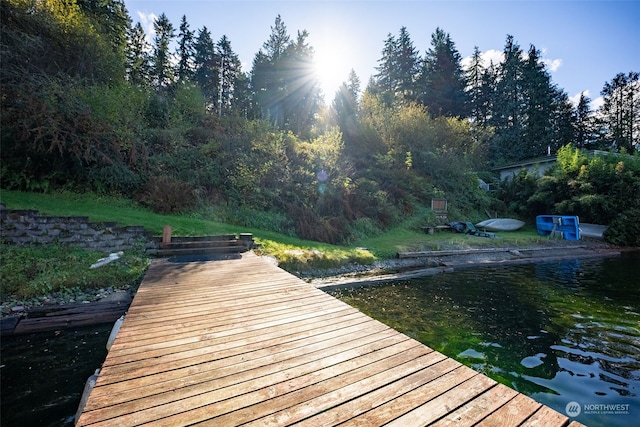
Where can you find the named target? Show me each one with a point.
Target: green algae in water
(557, 331)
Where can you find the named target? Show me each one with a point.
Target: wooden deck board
(241, 341)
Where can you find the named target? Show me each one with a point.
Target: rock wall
(23, 227)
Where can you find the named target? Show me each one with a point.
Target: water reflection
(561, 332)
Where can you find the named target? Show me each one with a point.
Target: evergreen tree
(345, 107)
(244, 105)
(474, 76)
(303, 96)
(162, 68)
(585, 132)
(507, 116)
(267, 76)
(563, 120)
(487, 94)
(443, 83)
(621, 111)
(205, 66)
(229, 75)
(278, 42)
(398, 70)
(185, 51)
(383, 83)
(538, 109)
(285, 87)
(111, 19)
(138, 58)
(407, 67)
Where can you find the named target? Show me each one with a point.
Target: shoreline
(430, 263)
(405, 267)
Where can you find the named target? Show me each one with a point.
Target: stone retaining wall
(22, 227)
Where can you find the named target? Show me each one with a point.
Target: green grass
(33, 271)
(106, 208)
(293, 254)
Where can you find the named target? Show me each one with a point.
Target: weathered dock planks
(240, 341)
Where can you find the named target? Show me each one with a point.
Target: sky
(584, 43)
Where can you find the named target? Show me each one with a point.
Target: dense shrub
(625, 229)
(165, 194)
(596, 188)
(516, 195)
(310, 226)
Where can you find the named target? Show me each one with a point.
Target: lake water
(566, 333)
(43, 374)
(561, 332)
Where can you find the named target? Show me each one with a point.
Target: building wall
(539, 168)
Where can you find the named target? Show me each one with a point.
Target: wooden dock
(240, 341)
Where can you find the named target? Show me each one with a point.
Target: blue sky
(584, 43)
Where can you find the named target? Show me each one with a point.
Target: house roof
(528, 162)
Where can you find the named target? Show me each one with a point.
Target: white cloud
(575, 99)
(552, 64)
(147, 20)
(597, 103)
(487, 57)
(492, 55)
(594, 105)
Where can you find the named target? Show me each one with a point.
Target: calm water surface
(43, 375)
(560, 332)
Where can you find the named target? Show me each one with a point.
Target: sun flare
(332, 69)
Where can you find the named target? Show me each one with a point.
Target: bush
(165, 194)
(625, 229)
(116, 178)
(363, 228)
(249, 217)
(309, 226)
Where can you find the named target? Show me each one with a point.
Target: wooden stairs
(202, 245)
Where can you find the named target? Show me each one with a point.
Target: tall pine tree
(585, 123)
(163, 72)
(398, 70)
(229, 76)
(138, 65)
(345, 107)
(383, 83)
(205, 66)
(285, 87)
(538, 108)
(267, 77)
(185, 51)
(443, 82)
(507, 116)
(621, 111)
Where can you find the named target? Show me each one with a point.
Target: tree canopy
(89, 103)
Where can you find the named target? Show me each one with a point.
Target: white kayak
(500, 224)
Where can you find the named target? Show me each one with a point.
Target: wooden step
(171, 252)
(200, 244)
(203, 245)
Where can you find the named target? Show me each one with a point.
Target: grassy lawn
(43, 269)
